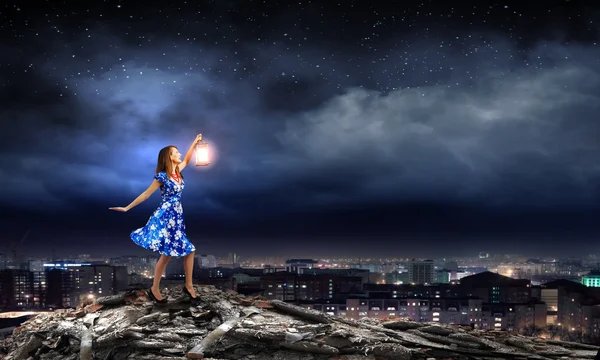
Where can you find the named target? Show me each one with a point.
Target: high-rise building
(39, 288)
(16, 288)
(40, 283)
(60, 285)
(421, 272)
(66, 285)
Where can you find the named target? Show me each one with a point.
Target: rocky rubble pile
(226, 325)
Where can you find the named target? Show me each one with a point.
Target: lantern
(202, 154)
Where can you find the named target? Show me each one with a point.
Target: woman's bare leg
(159, 270)
(188, 265)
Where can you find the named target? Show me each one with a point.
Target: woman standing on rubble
(165, 230)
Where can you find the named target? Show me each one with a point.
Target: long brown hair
(164, 161)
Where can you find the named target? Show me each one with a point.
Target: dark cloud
(522, 128)
(406, 128)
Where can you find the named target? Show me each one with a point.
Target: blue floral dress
(165, 230)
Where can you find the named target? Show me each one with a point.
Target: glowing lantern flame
(202, 158)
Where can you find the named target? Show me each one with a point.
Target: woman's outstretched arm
(189, 154)
(140, 199)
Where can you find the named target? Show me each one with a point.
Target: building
(496, 288)
(394, 291)
(523, 270)
(39, 288)
(67, 284)
(232, 260)
(486, 300)
(207, 261)
(461, 311)
(364, 274)
(299, 265)
(577, 306)
(451, 311)
(442, 276)
(421, 272)
(16, 289)
(288, 286)
(549, 296)
(591, 279)
(396, 277)
(141, 265)
(61, 284)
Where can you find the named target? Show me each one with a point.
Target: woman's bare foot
(191, 291)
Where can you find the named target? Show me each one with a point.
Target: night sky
(337, 128)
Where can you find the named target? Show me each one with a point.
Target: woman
(165, 230)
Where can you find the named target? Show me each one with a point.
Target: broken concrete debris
(226, 325)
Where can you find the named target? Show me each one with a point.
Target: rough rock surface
(226, 325)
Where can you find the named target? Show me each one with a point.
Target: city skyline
(482, 258)
(547, 300)
(416, 128)
(96, 247)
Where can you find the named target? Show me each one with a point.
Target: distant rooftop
(304, 261)
(593, 272)
(572, 285)
(491, 278)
